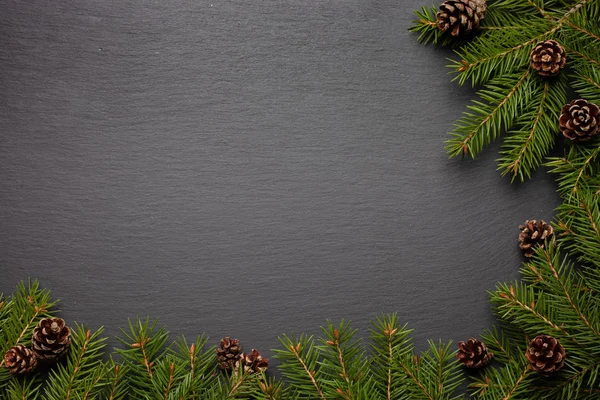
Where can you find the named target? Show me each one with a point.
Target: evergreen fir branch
(21, 314)
(511, 15)
(116, 384)
(504, 343)
(426, 27)
(578, 170)
(519, 304)
(586, 82)
(512, 381)
(578, 222)
(199, 363)
(299, 365)
(390, 341)
(562, 283)
(484, 121)
(271, 389)
(25, 388)
(435, 375)
(241, 384)
(507, 51)
(576, 384)
(524, 148)
(169, 381)
(499, 53)
(343, 363)
(144, 345)
(81, 376)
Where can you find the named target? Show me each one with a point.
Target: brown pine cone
(546, 355)
(460, 17)
(473, 353)
(51, 339)
(548, 58)
(534, 233)
(579, 120)
(254, 362)
(229, 353)
(20, 360)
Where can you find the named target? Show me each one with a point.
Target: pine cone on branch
(548, 58)
(546, 355)
(254, 362)
(460, 17)
(229, 353)
(51, 339)
(473, 353)
(579, 120)
(20, 360)
(533, 234)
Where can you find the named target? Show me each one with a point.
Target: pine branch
(299, 365)
(26, 388)
(513, 381)
(116, 386)
(578, 171)
(524, 148)
(484, 121)
(578, 222)
(144, 346)
(520, 305)
(426, 27)
(558, 278)
(21, 313)
(434, 375)
(199, 362)
(343, 363)
(500, 53)
(390, 341)
(81, 377)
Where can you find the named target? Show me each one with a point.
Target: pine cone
(20, 360)
(229, 353)
(254, 362)
(534, 233)
(579, 120)
(51, 339)
(546, 355)
(473, 353)
(460, 17)
(548, 58)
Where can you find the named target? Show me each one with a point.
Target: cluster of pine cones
(545, 354)
(49, 343)
(580, 119)
(230, 357)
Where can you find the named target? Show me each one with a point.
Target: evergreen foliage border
(559, 294)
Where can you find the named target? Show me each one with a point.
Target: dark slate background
(246, 168)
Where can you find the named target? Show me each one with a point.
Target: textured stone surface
(246, 168)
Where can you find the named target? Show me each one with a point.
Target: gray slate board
(246, 168)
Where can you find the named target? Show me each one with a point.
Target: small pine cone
(534, 233)
(20, 360)
(51, 339)
(546, 355)
(548, 58)
(473, 353)
(460, 17)
(579, 120)
(254, 362)
(229, 353)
